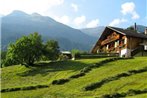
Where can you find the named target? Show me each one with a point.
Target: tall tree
(51, 50)
(26, 50)
(75, 53)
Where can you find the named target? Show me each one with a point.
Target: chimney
(145, 32)
(135, 27)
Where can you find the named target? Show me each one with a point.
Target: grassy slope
(14, 76)
(138, 96)
(19, 75)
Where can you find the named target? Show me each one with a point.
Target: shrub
(130, 92)
(34, 87)
(75, 53)
(51, 50)
(63, 57)
(60, 81)
(85, 69)
(26, 50)
(106, 96)
(77, 75)
(8, 62)
(42, 86)
(89, 87)
(29, 88)
(92, 86)
(132, 71)
(115, 95)
(97, 65)
(23, 88)
(10, 89)
(123, 75)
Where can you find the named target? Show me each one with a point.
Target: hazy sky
(83, 13)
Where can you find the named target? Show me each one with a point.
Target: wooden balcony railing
(112, 38)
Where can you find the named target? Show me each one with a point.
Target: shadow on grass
(44, 68)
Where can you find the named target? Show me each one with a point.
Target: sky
(83, 13)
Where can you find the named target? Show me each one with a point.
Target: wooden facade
(117, 40)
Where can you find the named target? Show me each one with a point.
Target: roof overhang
(116, 30)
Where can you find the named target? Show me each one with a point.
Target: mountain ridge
(18, 23)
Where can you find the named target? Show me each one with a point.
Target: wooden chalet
(125, 42)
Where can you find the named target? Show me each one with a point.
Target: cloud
(129, 8)
(135, 15)
(93, 23)
(79, 20)
(117, 21)
(75, 7)
(64, 19)
(28, 6)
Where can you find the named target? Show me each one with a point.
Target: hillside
(95, 32)
(19, 23)
(118, 76)
(140, 28)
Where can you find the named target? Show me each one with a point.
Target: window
(107, 47)
(125, 41)
(116, 44)
(145, 47)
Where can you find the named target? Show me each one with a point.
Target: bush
(106, 96)
(60, 81)
(96, 84)
(91, 86)
(63, 57)
(8, 62)
(42, 86)
(10, 89)
(85, 69)
(115, 95)
(29, 88)
(26, 50)
(77, 75)
(51, 50)
(131, 92)
(123, 75)
(23, 88)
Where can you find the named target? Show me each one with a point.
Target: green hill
(125, 77)
(18, 24)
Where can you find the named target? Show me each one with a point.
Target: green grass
(138, 96)
(17, 76)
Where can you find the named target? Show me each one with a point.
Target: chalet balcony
(110, 39)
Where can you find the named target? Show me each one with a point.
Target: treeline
(29, 49)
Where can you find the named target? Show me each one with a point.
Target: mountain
(140, 28)
(18, 23)
(95, 32)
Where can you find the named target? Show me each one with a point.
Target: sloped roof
(127, 32)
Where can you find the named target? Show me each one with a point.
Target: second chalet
(125, 42)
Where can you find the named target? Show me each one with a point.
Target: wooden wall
(133, 42)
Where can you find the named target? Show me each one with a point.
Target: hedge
(60, 81)
(130, 92)
(77, 75)
(86, 70)
(118, 76)
(24, 88)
